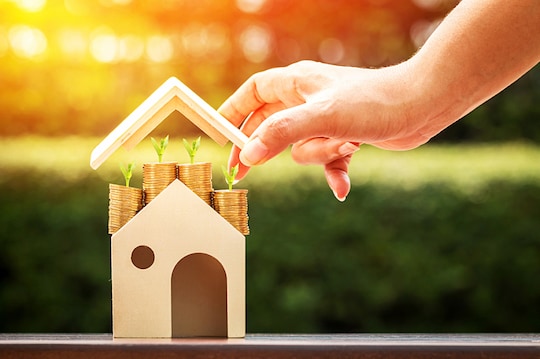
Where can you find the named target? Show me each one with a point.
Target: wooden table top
(373, 346)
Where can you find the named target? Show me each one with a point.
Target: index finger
(257, 91)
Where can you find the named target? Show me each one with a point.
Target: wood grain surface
(373, 346)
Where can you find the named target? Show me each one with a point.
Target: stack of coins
(156, 177)
(124, 203)
(198, 178)
(233, 206)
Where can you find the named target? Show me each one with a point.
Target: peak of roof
(173, 95)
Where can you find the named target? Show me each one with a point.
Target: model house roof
(172, 96)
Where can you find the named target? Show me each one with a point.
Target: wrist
(434, 97)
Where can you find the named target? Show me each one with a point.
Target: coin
(198, 178)
(156, 177)
(124, 203)
(233, 206)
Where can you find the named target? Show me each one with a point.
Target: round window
(142, 257)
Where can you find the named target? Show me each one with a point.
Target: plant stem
(127, 172)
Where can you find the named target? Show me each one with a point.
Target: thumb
(280, 130)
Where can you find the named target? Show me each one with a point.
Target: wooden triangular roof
(172, 96)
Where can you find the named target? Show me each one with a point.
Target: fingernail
(341, 199)
(254, 152)
(347, 149)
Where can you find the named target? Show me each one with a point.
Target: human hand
(325, 112)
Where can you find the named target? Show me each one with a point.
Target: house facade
(178, 270)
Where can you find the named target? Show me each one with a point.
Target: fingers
(258, 116)
(242, 102)
(250, 125)
(322, 150)
(335, 155)
(337, 176)
(260, 89)
(336, 172)
(234, 160)
(283, 128)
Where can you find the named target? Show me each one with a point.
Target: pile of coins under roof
(198, 178)
(125, 202)
(156, 177)
(232, 205)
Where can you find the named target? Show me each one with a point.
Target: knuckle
(278, 128)
(298, 156)
(302, 64)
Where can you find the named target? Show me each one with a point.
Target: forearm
(477, 51)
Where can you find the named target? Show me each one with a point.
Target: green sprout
(128, 172)
(192, 148)
(160, 146)
(230, 175)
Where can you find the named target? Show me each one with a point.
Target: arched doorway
(199, 297)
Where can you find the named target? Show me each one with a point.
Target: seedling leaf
(127, 172)
(230, 175)
(192, 148)
(160, 146)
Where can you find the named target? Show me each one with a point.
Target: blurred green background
(444, 238)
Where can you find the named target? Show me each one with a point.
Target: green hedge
(428, 258)
(390, 260)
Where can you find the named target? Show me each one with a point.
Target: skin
(327, 111)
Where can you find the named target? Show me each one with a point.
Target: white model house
(178, 267)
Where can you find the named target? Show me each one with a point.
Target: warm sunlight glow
(430, 4)
(76, 7)
(31, 5)
(26, 41)
(4, 46)
(102, 56)
(194, 40)
(289, 50)
(255, 41)
(250, 6)
(199, 40)
(115, 2)
(131, 48)
(159, 49)
(331, 50)
(104, 45)
(73, 43)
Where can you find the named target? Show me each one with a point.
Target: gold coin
(156, 177)
(198, 178)
(232, 205)
(124, 203)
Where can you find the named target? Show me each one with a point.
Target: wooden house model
(178, 267)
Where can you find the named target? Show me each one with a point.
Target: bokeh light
(92, 62)
(31, 5)
(131, 48)
(250, 6)
(4, 45)
(114, 2)
(27, 42)
(331, 50)
(73, 43)
(104, 45)
(159, 48)
(255, 41)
